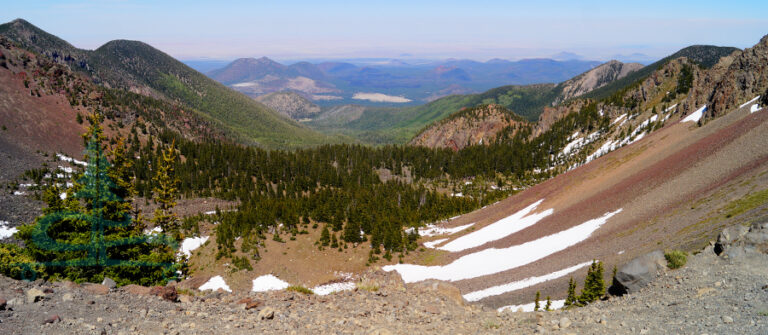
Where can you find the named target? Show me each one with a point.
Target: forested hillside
(137, 67)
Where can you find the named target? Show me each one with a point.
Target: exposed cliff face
(290, 104)
(596, 78)
(478, 125)
(734, 80)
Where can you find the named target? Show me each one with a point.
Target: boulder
(34, 295)
(729, 236)
(136, 289)
(193, 283)
(109, 283)
(166, 292)
(637, 273)
(267, 313)
(96, 288)
(382, 280)
(441, 288)
(52, 319)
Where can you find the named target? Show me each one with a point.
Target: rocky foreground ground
(711, 294)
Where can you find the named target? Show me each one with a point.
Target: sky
(477, 29)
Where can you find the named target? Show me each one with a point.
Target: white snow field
(695, 116)
(754, 108)
(521, 284)
(432, 230)
(214, 284)
(268, 283)
(556, 304)
(499, 229)
(432, 244)
(749, 102)
(6, 232)
(333, 287)
(191, 243)
(492, 260)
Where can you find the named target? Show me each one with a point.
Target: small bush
(14, 262)
(300, 289)
(676, 259)
(368, 287)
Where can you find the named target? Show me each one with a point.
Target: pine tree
(325, 237)
(570, 300)
(536, 302)
(90, 234)
(594, 286)
(166, 192)
(548, 306)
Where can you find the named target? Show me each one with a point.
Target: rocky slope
(596, 78)
(711, 294)
(290, 104)
(478, 125)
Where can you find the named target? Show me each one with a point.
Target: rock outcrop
(596, 78)
(290, 104)
(472, 126)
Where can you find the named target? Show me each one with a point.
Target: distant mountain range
(390, 82)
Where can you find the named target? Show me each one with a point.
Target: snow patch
(749, 102)
(432, 230)
(621, 117)
(492, 260)
(333, 287)
(19, 193)
(695, 116)
(754, 108)
(268, 283)
(499, 229)
(521, 284)
(70, 160)
(5, 231)
(191, 243)
(432, 244)
(214, 284)
(556, 304)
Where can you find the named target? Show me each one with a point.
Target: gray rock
(728, 236)
(267, 313)
(638, 272)
(109, 283)
(67, 297)
(727, 319)
(564, 323)
(734, 252)
(34, 295)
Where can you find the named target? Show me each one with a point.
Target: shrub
(368, 287)
(676, 259)
(299, 289)
(14, 262)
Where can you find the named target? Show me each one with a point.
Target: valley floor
(710, 295)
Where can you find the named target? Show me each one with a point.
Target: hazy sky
(479, 29)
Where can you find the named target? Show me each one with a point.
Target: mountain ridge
(141, 68)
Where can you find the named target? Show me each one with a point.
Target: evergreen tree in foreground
(570, 300)
(594, 286)
(87, 233)
(166, 192)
